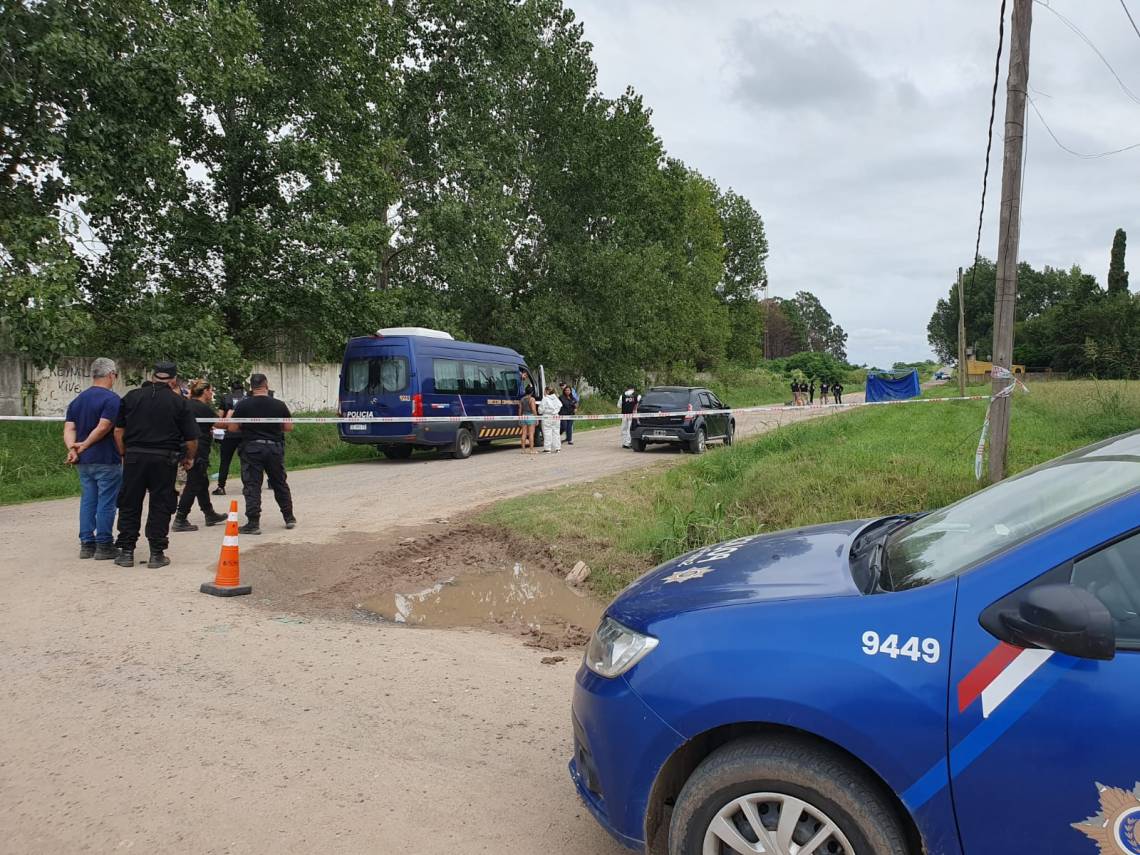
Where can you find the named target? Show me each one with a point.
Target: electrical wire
(1077, 30)
(989, 143)
(1129, 14)
(1065, 148)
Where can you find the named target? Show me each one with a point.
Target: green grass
(863, 463)
(32, 458)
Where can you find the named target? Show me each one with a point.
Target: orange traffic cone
(227, 582)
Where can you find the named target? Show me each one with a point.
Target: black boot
(87, 550)
(290, 521)
(126, 558)
(157, 559)
(213, 517)
(252, 526)
(182, 524)
(220, 490)
(105, 551)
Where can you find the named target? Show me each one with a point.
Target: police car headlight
(614, 648)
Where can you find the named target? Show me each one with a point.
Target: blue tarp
(884, 387)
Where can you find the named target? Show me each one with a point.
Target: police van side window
(446, 373)
(478, 378)
(508, 382)
(1113, 577)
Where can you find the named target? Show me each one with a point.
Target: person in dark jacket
(229, 442)
(824, 386)
(811, 392)
(153, 427)
(569, 408)
(198, 475)
(837, 391)
(263, 452)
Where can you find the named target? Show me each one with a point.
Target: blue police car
(964, 681)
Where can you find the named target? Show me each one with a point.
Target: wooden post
(1009, 230)
(961, 337)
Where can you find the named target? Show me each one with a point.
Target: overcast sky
(857, 130)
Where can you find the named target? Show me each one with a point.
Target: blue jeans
(100, 484)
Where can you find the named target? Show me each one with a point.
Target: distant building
(980, 372)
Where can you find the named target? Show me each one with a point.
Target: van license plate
(358, 427)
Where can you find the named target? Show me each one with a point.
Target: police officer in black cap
(155, 424)
(263, 452)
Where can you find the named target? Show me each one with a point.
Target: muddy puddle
(516, 597)
(445, 577)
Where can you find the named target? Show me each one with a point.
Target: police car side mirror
(1057, 617)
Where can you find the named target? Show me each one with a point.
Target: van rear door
(377, 381)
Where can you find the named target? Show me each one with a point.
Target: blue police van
(959, 682)
(413, 372)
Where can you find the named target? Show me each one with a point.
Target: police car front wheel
(785, 796)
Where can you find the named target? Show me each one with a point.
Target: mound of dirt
(442, 575)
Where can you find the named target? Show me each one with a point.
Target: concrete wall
(11, 379)
(304, 387)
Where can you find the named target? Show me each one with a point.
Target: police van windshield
(377, 375)
(954, 539)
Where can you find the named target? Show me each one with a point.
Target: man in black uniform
(231, 441)
(154, 422)
(263, 452)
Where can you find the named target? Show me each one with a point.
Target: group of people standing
(552, 409)
(803, 394)
(130, 448)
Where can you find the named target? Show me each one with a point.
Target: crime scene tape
(1001, 374)
(647, 416)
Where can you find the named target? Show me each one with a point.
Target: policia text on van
(413, 372)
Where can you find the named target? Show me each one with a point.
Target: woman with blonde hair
(198, 476)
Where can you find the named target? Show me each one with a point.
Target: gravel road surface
(140, 715)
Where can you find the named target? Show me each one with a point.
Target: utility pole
(1009, 230)
(961, 338)
(767, 313)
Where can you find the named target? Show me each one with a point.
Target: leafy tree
(1117, 274)
(745, 255)
(823, 334)
(1064, 321)
(816, 365)
(221, 180)
(787, 333)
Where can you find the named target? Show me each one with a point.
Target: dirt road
(141, 715)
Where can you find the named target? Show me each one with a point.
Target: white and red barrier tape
(356, 420)
(999, 373)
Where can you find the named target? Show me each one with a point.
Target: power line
(1065, 148)
(1129, 14)
(989, 144)
(1095, 49)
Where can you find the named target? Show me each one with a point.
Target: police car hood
(796, 564)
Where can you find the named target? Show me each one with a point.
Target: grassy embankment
(864, 463)
(32, 455)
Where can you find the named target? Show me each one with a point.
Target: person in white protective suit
(550, 408)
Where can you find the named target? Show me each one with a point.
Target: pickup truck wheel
(731, 431)
(464, 444)
(782, 795)
(638, 444)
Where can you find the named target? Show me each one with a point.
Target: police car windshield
(954, 539)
